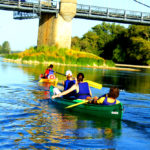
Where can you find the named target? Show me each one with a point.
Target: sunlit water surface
(29, 121)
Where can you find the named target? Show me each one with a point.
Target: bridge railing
(31, 3)
(29, 9)
(83, 11)
(111, 13)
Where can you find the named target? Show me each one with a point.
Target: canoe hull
(102, 111)
(52, 81)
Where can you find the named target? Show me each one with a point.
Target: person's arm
(90, 92)
(65, 92)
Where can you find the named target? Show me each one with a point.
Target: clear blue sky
(22, 34)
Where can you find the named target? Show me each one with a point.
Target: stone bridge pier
(56, 30)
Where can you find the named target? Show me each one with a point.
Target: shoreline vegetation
(46, 55)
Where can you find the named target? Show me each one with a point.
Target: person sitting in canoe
(69, 80)
(49, 73)
(82, 89)
(107, 99)
(68, 83)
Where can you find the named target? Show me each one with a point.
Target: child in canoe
(68, 83)
(107, 99)
(69, 80)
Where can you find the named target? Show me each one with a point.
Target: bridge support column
(56, 31)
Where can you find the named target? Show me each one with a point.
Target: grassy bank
(64, 56)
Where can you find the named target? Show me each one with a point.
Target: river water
(29, 121)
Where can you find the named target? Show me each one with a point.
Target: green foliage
(12, 56)
(110, 63)
(114, 42)
(62, 51)
(84, 61)
(5, 48)
(118, 54)
(100, 62)
(0, 49)
(70, 59)
(54, 55)
(26, 58)
(148, 62)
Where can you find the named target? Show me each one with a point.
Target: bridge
(50, 11)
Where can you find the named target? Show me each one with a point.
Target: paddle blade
(74, 105)
(94, 84)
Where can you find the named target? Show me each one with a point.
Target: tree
(139, 51)
(107, 38)
(118, 54)
(5, 48)
(89, 42)
(0, 49)
(138, 48)
(75, 43)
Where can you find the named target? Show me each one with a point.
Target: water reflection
(52, 128)
(127, 80)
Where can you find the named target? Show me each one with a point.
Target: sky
(22, 34)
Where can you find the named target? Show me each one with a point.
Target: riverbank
(131, 66)
(46, 63)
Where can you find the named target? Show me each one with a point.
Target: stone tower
(57, 30)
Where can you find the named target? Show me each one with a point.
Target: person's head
(51, 66)
(80, 77)
(113, 92)
(68, 74)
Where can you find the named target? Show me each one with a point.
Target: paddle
(94, 84)
(74, 105)
(91, 83)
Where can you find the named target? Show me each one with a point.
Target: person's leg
(56, 91)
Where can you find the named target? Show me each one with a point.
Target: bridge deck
(83, 11)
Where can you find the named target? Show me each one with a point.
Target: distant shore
(132, 66)
(18, 61)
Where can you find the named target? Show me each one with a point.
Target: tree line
(5, 48)
(115, 42)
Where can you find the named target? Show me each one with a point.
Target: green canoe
(102, 111)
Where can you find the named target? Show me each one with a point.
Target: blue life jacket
(68, 84)
(84, 91)
(105, 102)
(51, 71)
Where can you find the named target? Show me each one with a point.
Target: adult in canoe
(49, 73)
(107, 99)
(82, 89)
(68, 83)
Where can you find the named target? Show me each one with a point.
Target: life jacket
(105, 102)
(51, 71)
(51, 74)
(68, 84)
(84, 91)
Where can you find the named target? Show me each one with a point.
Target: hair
(113, 92)
(80, 77)
(50, 66)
